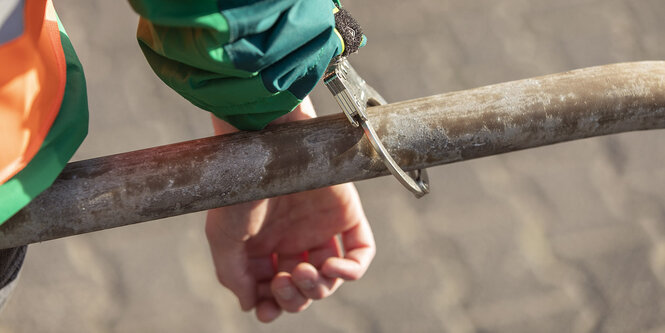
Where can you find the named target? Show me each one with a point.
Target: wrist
(305, 110)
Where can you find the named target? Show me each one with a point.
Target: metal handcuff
(354, 95)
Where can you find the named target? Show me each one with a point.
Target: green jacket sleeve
(248, 62)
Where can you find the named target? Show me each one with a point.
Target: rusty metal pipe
(196, 175)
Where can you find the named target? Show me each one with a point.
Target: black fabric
(11, 261)
(351, 32)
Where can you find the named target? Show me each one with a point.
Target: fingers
(325, 271)
(267, 310)
(287, 296)
(306, 276)
(273, 283)
(360, 249)
(313, 284)
(299, 282)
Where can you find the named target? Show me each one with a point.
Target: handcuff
(354, 95)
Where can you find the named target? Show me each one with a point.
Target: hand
(248, 62)
(281, 253)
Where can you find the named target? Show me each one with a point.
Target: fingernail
(285, 293)
(306, 284)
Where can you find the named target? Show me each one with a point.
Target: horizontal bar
(197, 175)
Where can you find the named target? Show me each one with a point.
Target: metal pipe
(196, 175)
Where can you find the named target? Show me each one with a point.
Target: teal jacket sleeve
(246, 61)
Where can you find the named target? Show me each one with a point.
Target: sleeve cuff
(11, 261)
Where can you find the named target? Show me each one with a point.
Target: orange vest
(33, 74)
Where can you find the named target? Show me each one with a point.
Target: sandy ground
(569, 237)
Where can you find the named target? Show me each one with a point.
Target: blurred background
(563, 238)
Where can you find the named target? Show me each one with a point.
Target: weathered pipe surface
(191, 176)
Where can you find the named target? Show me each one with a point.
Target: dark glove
(11, 261)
